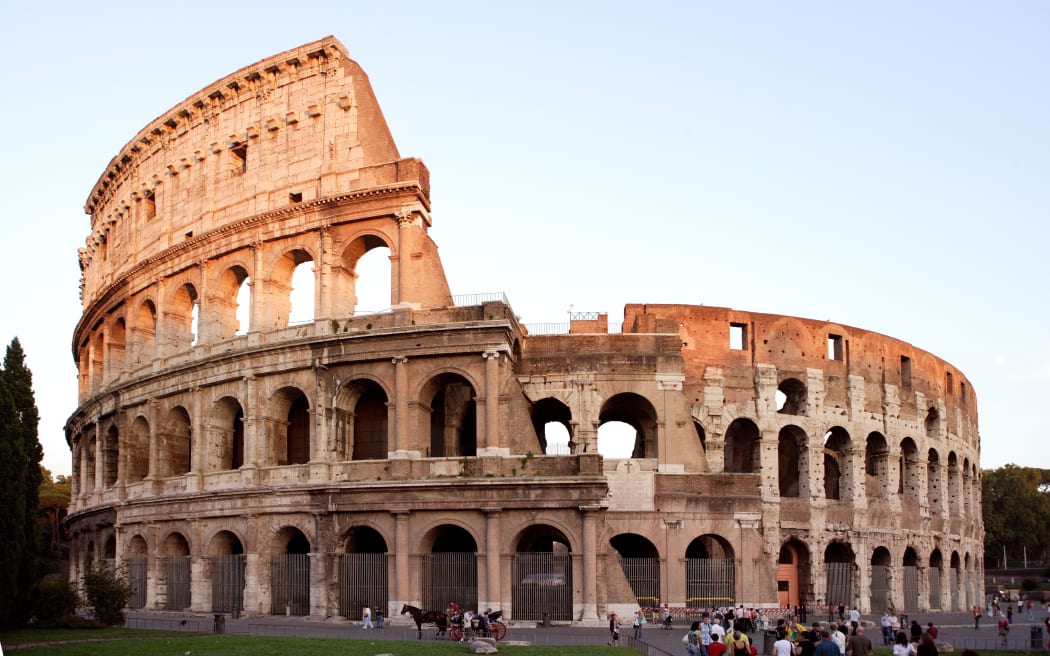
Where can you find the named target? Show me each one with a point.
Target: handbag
(685, 639)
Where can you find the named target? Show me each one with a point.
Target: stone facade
(402, 457)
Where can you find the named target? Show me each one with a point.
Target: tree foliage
(108, 592)
(20, 478)
(52, 506)
(1016, 512)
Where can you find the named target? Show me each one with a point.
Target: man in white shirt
(717, 629)
(839, 638)
(887, 629)
(783, 647)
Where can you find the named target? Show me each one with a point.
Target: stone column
(590, 563)
(492, 559)
(252, 602)
(400, 594)
(489, 437)
(404, 255)
(99, 458)
(401, 435)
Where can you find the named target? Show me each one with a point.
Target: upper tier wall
(292, 128)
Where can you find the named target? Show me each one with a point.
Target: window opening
(295, 197)
(557, 437)
(949, 383)
(239, 158)
(738, 336)
(835, 347)
(905, 372)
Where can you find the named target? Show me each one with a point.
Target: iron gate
(880, 588)
(839, 578)
(935, 588)
(137, 580)
(290, 584)
(911, 588)
(710, 582)
(542, 586)
(644, 576)
(362, 582)
(227, 583)
(178, 582)
(450, 576)
(953, 581)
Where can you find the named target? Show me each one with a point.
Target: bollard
(1037, 637)
(220, 623)
(546, 621)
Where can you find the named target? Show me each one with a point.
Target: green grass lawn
(127, 642)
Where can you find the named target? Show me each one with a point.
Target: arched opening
(177, 572)
(954, 485)
(363, 281)
(955, 581)
(837, 470)
(291, 427)
(542, 583)
(450, 569)
(291, 285)
(181, 319)
(793, 573)
(144, 333)
(225, 435)
(791, 397)
(98, 362)
(710, 573)
(933, 482)
(115, 354)
(109, 551)
(881, 561)
(87, 457)
(839, 564)
(639, 562)
(876, 466)
(793, 462)
(743, 448)
(137, 460)
(370, 423)
(453, 417)
(934, 573)
(363, 572)
(633, 411)
(910, 472)
(933, 422)
(228, 317)
(301, 298)
(110, 457)
(227, 573)
(137, 561)
(910, 576)
(290, 573)
(175, 447)
(552, 421)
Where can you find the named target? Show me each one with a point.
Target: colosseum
(237, 459)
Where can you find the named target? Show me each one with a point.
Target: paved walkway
(955, 628)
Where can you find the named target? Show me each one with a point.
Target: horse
(436, 617)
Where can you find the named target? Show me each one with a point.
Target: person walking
(887, 629)
(858, 643)
(614, 630)
(692, 640)
(366, 618)
(976, 618)
(1004, 629)
(639, 622)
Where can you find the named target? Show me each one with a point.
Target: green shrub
(107, 591)
(53, 601)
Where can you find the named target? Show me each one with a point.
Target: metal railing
(477, 299)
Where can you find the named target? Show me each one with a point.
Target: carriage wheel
(498, 629)
(456, 632)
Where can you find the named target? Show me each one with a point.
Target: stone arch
(370, 438)
(115, 348)
(291, 421)
(639, 564)
(881, 566)
(548, 411)
(933, 423)
(743, 447)
(280, 285)
(87, 455)
(910, 575)
(794, 572)
(955, 582)
(543, 576)
(933, 480)
(225, 446)
(840, 566)
(791, 397)
(289, 572)
(175, 443)
(137, 451)
(225, 542)
(136, 556)
(110, 456)
(910, 469)
(346, 274)
(136, 546)
(223, 304)
(637, 412)
(450, 568)
(144, 333)
(954, 485)
(838, 473)
(934, 573)
(363, 571)
(450, 399)
(710, 572)
(363, 539)
(876, 466)
(177, 576)
(793, 462)
(98, 360)
(179, 315)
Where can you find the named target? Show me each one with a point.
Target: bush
(108, 592)
(53, 601)
(1029, 584)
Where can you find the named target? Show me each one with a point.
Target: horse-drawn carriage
(453, 626)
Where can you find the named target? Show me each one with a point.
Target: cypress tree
(12, 504)
(25, 476)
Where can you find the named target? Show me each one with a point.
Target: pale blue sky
(881, 164)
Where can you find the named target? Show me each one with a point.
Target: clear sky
(885, 165)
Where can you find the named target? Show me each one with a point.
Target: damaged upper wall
(293, 128)
(896, 375)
